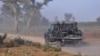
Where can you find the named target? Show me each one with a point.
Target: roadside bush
(11, 44)
(18, 42)
(57, 54)
(15, 43)
(28, 43)
(36, 44)
(2, 38)
(56, 49)
(50, 48)
(46, 47)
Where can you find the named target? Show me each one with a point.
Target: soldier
(75, 26)
(63, 29)
(63, 23)
(63, 26)
(57, 23)
(57, 28)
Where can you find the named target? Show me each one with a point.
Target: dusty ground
(92, 48)
(30, 51)
(90, 45)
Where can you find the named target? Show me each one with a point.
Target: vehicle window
(51, 27)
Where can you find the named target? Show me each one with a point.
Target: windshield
(51, 28)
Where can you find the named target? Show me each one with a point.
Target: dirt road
(31, 38)
(90, 47)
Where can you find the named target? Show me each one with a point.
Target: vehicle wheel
(62, 43)
(46, 40)
(79, 33)
(79, 42)
(58, 44)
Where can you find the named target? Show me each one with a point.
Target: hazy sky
(82, 10)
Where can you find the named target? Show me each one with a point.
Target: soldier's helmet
(63, 22)
(58, 23)
(75, 23)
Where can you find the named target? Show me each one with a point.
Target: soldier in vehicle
(74, 26)
(63, 26)
(63, 23)
(57, 28)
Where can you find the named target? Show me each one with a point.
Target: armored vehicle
(64, 32)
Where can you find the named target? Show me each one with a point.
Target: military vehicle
(60, 33)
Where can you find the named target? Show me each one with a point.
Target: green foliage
(50, 48)
(56, 49)
(28, 43)
(2, 38)
(36, 44)
(98, 19)
(11, 44)
(18, 42)
(15, 43)
(29, 8)
(46, 47)
(57, 54)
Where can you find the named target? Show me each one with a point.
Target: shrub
(15, 43)
(57, 54)
(56, 49)
(36, 44)
(28, 43)
(2, 38)
(19, 41)
(11, 44)
(47, 48)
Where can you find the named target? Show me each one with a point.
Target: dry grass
(20, 47)
(29, 51)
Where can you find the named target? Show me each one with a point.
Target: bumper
(73, 38)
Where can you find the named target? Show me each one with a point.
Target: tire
(46, 40)
(79, 42)
(58, 44)
(79, 32)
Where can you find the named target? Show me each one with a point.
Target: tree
(98, 19)
(1, 20)
(12, 8)
(68, 17)
(45, 21)
(33, 12)
(29, 9)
